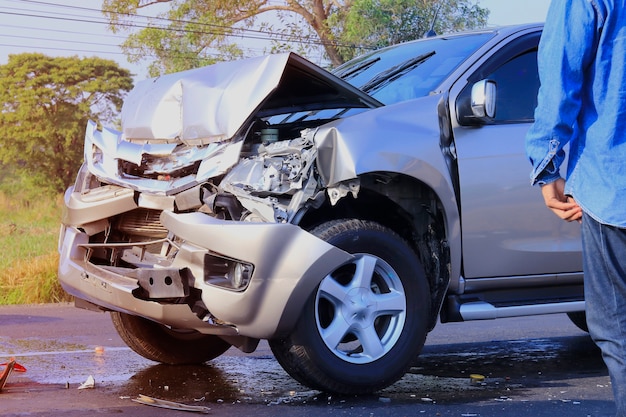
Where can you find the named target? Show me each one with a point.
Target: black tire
(160, 344)
(579, 318)
(383, 295)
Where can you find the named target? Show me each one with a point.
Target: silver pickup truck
(340, 216)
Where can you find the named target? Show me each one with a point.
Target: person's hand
(562, 205)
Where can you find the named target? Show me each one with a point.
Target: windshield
(410, 70)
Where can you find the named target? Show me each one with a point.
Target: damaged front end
(274, 184)
(221, 157)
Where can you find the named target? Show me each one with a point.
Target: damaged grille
(161, 172)
(142, 222)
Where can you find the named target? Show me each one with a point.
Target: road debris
(155, 402)
(9, 367)
(6, 372)
(477, 378)
(503, 398)
(88, 384)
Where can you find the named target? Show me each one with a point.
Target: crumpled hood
(182, 129)
(212, 103)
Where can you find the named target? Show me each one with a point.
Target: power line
(40, 47)
(284, 38)
(86, 51)
(51, 48)
(74, 41)
(213, 29)
(81, 16)
(71, 32)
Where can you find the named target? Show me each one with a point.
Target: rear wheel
(367, 320)
(161, 344)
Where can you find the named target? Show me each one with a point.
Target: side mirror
(483, 101)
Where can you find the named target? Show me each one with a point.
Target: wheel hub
(357, 307)
(360, 311)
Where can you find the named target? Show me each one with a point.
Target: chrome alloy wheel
(360, 309)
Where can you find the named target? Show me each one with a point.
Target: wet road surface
(537, 366)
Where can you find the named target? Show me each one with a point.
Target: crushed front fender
(288, 264)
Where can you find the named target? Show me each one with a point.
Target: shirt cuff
(545, 177)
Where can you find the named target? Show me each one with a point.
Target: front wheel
(367, 320)
(161, 344)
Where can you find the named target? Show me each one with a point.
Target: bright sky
(510, 12)
(71, 27)
(59, 28)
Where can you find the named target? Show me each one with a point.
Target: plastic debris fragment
(89, 383)
(6, 372)
(477, 378)
(9, 367)
(155, 402)
(16, 366)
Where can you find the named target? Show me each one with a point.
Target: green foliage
(28, 241)
(45, 103)
(32, 281)
(198, 32)
(26, 187)
(379, 23)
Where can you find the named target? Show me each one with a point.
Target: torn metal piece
(274, 184)
(155, 402)
(337, 192)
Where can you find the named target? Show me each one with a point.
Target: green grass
(28, 243)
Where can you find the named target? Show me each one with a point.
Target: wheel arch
(355, 334)
(410, 208)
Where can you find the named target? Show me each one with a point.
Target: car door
(506, 228)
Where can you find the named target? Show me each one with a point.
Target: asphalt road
(535, 366)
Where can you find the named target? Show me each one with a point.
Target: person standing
(582, 103)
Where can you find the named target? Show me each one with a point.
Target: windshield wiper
(351, 71)
(395, 71)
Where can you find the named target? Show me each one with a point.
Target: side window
(517, 84)
(513, 68)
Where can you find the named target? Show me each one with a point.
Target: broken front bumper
(287, 264)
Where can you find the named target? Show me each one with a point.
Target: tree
(192, 33)
(379, 23)
(44, 106)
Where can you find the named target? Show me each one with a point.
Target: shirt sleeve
(566, 51)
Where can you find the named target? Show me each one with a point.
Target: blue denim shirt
(582, 102)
